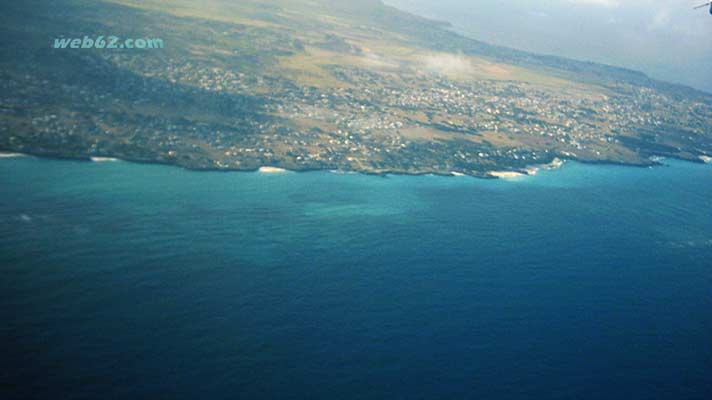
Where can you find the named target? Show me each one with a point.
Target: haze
(666, 39)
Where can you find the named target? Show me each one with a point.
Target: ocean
(122, 280)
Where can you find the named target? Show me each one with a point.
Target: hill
(318, 84)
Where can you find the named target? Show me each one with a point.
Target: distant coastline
(504, 173)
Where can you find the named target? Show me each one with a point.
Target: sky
(666, 39)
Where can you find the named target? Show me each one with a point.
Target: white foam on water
(11, 155)
(104, 159)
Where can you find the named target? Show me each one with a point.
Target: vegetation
(318, 84)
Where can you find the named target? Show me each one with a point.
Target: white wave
(506, 174)
(104, 159)
(272, 170)
(11, 155)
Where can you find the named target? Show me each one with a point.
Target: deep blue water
(134, 281)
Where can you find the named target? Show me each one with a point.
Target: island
(321, 85)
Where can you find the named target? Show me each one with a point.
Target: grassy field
(380, 48)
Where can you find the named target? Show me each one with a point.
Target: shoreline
(503, 174)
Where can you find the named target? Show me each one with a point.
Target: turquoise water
(140, 281)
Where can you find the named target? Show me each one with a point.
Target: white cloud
(447, 64)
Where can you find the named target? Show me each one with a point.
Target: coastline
(504, 174)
